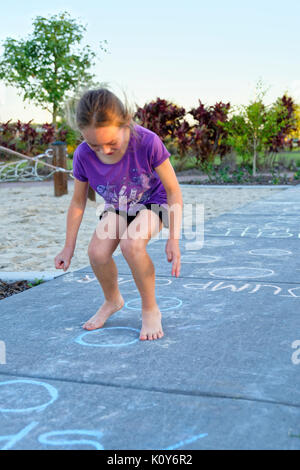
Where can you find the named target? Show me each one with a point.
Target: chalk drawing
(82, 278)
(193, 246)
(126, 281)
(292, 292)
(158, 281)
(274, 252)
(2, 352)
(14, 438)
(87, 279)
(226, 224)
(216, 242)
(45, 438)
(50, 389)
(252, 232)
(191, 233)
(103, 333)
(295, 356)
(165, 303)
(241, 272)
(277, 224)
(190, 258)
(163, 282)
(185, 442)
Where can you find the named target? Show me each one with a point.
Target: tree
(252, 130)
(47, 65)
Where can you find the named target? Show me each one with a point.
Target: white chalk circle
(216, 242)
(8, 393)
(164, 303)
(275, 227)
(230, 224)
(193, 258)
(111, 337)
(163, 282)
(270, 252)
(190, 246)
(241, 272)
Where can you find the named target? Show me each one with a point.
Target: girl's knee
(98, 255)
(132, 247)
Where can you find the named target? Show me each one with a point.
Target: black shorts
(161, 211)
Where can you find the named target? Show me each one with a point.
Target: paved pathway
(226, 375)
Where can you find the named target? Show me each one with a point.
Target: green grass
(293, 155)
(36, 282)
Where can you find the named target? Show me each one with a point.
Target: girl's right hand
(63, 259)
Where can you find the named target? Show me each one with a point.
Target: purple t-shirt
(131, 181)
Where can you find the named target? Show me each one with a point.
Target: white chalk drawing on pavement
(215, 242)
(241, 272)
(2, 352)
(200, 259)
(272, 252)
(272, 289)
(164, 303)
(250, 231)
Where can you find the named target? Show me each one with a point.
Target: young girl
(129, 166)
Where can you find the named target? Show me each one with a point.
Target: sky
(181, 51)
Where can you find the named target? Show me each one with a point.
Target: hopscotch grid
(231, 279)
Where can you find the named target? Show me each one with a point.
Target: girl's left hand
(173, 254)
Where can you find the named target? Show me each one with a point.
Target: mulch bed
(8, 289)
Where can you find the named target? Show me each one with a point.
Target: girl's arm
(169, 180)
(75, 212)
(74, 218)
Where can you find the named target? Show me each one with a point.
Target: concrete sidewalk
(226, 375)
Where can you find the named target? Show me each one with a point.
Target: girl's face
(109, 140)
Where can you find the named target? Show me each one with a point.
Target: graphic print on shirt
(135, 189)
(108, 192)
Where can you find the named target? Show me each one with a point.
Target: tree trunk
(54, 117)
(254, 158)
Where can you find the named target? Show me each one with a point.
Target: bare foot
(104, 312)
(151, 325)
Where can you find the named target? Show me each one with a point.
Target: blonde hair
(100, 108)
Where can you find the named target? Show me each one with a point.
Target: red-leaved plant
(160, 116)
(208, 136)
(28, 139)
(286, 116)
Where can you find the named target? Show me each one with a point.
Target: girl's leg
(133, 244)
(100, 250)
